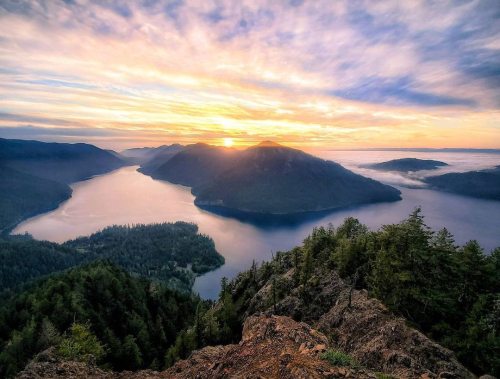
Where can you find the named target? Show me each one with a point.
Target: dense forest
(171, 253)
(450, 293)
(23, 259)
(97, 311)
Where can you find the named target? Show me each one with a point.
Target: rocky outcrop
(271, 347)
(370, 333)
(365, 329)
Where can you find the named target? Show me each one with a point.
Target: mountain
(483, 184)
(23, 195)
(196, 164)
(269, 179)
(274, 179)
(61, 162)
(407, 164)
(100, 310)
(34, 176)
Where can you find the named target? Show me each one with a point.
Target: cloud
(328, 73)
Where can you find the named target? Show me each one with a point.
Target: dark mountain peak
(268, 144)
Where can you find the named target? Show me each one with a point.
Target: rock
(271, 347)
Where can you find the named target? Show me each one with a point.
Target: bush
(81, 345)
(338, 358)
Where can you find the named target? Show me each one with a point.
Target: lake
(126, 196)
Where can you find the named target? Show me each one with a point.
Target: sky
(307, 73)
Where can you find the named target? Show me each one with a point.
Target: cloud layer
(307, 73)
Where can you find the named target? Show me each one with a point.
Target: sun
(228, 142)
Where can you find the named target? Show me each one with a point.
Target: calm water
(126, 197)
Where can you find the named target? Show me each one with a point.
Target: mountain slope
(23, 195)
(196, 165)
(407, 164)
(279, 180)
(34, 175)
(61, 162)
(483, 184)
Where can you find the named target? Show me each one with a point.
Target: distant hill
(407, 164)
(151, 157)
(159, 156)
(24, 195)
(269, 179)
(62, 162)
(196, 165)
(482, 184)
(34, 176)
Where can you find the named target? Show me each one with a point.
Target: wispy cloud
(319, 73)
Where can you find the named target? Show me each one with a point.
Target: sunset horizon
(312, 75)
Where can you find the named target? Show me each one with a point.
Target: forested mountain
(170, 253)
(96, 311)
(61, 162)
(34, 176)
(24, 195)
(482, 184)
(269, 179)
(450, 293)
(407, 164)
(276, 179)
(195, 165)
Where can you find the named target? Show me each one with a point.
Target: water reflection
(127, 197)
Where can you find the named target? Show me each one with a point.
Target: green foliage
(136, 320)
(339, 358)
(23, 259)
(381, 375)
(81, 345)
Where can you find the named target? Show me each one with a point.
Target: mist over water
(125, 196)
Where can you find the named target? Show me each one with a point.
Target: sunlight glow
(228, 142)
